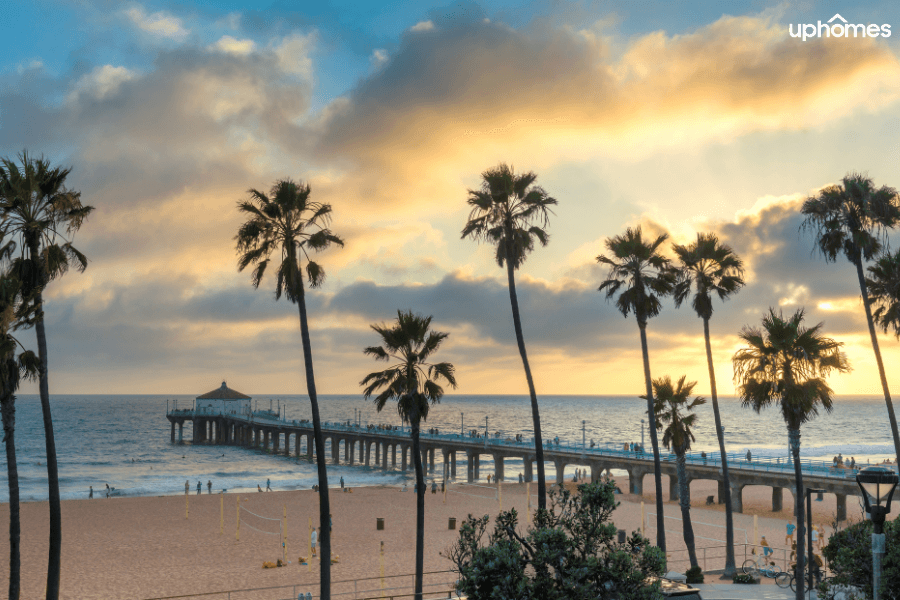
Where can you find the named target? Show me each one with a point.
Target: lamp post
(462, 425)
(583, 424)
(810, 556)
(642, 434)
(485, 432)
(877, 485)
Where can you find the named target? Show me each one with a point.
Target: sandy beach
(144, 547)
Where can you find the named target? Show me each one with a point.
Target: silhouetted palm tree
(677, 435)
(511, 212)
(414, 383)
(785, 364)
(852, 219)
(13, 313)
(644, 276)
(708, 268)
(884, 287)
(43, 215)
(286, 222)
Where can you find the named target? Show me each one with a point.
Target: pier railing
(502, 441)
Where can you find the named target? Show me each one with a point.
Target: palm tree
(511, 212)
(884, 288)
(14, 312)
(414, 383)
(646, 276)
(670, 402)
(711, 268)
(852, 219)
(44, 215)
(287, 222)
(785, 364)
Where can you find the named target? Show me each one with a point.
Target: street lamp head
(877, 485)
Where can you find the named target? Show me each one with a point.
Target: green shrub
(694, 575)
(849, 554)
(745, 578)
(570, 553)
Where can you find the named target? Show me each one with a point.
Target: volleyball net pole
(237, 531)
(221, 514)
(309, 546)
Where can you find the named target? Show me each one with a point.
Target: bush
(745, 578)
(849, 554)
(694, 575)
(570, 553)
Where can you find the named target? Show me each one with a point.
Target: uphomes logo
(837, 26)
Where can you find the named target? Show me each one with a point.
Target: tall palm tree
(671, 401)
(784, 364)
(708, 268)
(44, 215)
(13, 313)
(644, 276)
(286, 222)
(852, 219)
(413, 382)
(511, 212)
(883, 284)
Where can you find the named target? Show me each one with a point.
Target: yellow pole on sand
(499, 495)
(237, 530)
(309, 546)
(284, 534)
(186, 507)
(528, 495)
(381, 562)
(643, 518)
(221, 514)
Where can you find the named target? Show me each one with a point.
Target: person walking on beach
(209, 487)
(814, 533)
(199, 487)
(789, 537)
(342, 482)
(521, 479)
(91, 494)
(268, 485)
(187, 487)
(433, 487)
(312, 541)
(749, 456)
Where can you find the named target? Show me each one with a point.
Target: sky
(681, 117)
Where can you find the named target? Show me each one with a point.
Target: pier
(390, 447)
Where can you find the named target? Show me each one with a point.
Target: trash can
(451, 524)
(621, 536)
(379, 523)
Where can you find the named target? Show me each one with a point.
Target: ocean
(123, 441)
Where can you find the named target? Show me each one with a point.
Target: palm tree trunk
(684, 491)
(324, 506)
(730, 568)
(420, 501)
(54, 560)
(535, 413)
(884, 385)
(651, 418)
(794, 436)
(8, 410)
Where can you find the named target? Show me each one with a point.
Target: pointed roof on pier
(223, 393)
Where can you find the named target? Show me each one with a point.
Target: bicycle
(758, 566)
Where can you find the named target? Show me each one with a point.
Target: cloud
(230, 45)
(101, 82)
(422, 26)
(161, 23)
(294, 54)
(471, 92)
(379, 57)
